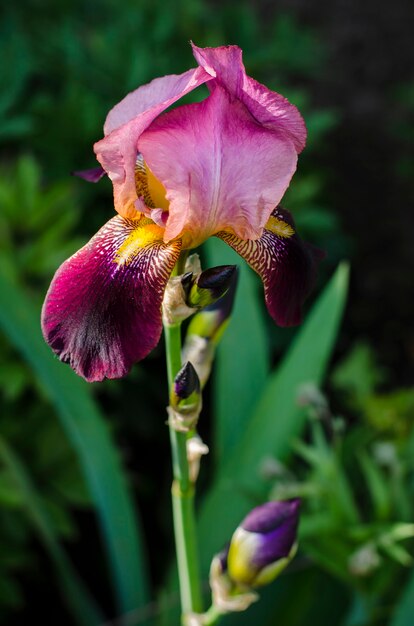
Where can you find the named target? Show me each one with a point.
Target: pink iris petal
(286, 265)
(117, 152)
(267, 107)
(221, 169)
(101, 314)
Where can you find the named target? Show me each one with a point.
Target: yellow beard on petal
(279, 227)
(156, 190)
(149, 187)
(142, 236)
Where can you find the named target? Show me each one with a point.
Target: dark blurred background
(348, 66)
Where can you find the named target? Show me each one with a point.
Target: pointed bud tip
(272, 515)
(186, 381)
(217, 279)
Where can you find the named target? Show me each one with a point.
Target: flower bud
(210, 285)
(186, 385)
(212, 320)
(264, 543)
(185, 399)
(205, 330)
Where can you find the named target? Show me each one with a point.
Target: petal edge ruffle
(117, 151)
(286, 265)
(102, 312)
(221, 169)
(225, 64)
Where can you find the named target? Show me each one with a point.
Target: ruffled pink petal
(102, 312)
(286, 265)
(220, 168)
(268, 107)
(117, 152)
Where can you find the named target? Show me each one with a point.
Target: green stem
(212, 616)
(182, 494)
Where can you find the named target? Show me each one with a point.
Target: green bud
(209, 286)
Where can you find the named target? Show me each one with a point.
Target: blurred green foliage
(64, 65)
(29, 228)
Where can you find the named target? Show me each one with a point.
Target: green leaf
(358, 374)
(403, 615)
(76, 596)
(88, 433)
(276, 420)
(242, 361)
(377, 484)
(272, 427)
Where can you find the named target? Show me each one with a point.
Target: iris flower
(217, 167)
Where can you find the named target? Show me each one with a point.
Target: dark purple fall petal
(286, 265)
(101, 314)
(92, 175)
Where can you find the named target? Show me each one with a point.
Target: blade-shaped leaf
(86, 429)
(242, 361)
(403, 615)
(276, 420)
(274, 423)
(76, 596)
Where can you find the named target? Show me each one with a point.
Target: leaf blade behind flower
(76, 595)
(403, 615)
(88, 433)
(235, 489)
(242, 361)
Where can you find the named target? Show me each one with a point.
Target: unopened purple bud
(217, 279)
(185, 399)
(186, 382)
(209, 323)
(210, 285)
(264, 543)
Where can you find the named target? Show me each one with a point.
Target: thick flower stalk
(217, 167)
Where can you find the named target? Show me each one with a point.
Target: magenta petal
(117, 151)
(268, 107)
(286, 265)
(92, 175)
(102, 315)
(220, 168)
(223, 63)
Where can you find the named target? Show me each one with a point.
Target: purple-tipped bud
(264, 543)
(210, 285)
(92, 175)
(186, 382)
(210, 322)
(185, 399)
